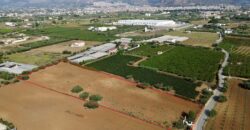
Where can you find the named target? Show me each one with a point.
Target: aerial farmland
(108, 67)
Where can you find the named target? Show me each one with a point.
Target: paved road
(211, 102)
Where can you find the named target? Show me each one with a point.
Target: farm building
(16, 68)
(167, 39)
(94, 53)
(78, 44)
(3, 127)
(124, 42)
(155, 23)
(102, 29)
(10, 24)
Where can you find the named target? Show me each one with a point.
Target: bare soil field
(65, 46)
(117, 93)
(233, 114)
(32, 108)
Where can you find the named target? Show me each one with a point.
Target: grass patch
(34, 58)
(205, 39)
(150, 50)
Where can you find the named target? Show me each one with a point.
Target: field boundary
(133, 83)
(124, 114)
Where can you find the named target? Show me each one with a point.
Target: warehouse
(15, 68)
(154, 23)
(94, 53)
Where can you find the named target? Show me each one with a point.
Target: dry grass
(119, 94)
(32, 108)
(205, 39)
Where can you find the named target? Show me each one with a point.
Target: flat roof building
(16, 68)
(94, 53)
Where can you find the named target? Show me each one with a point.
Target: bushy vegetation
(212, 113)
(245, 84)
(25, 77)
(91, 104)
(221, 98)
(117, 65)
(6, 76)
(95, 98)
(76, 89)
(84, 95)
(195, 63)
(205, 95)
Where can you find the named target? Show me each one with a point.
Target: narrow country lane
(211, 102)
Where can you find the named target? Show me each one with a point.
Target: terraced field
(118, 65)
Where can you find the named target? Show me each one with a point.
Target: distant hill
(69, 3)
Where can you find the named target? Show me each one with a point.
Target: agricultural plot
(204, 39)
(65, 46)
(233, 114)
(150, 50)
(31, 107)
(195, 63)
(239, 65)
(34, 58)
(117, 93)
(239, 62)
(118, 65)
(80, 33)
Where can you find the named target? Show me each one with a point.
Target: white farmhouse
(10, 24)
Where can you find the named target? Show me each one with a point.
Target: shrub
(67, 52)
(6, 76)
(221, 98)
(76, 89)
(212, 113)
(191, 116)
(95, 98)
(178, 124)
(25, 77)
(84, 95)
(91, 105)
(25, 72)
(245, 84)
(141, 86)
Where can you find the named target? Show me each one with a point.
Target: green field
(204, 39)
(195, 63)
(150, 50)
(239, 65)
(118, 65)
(239, 61)
(39, 59)
(80, 33)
